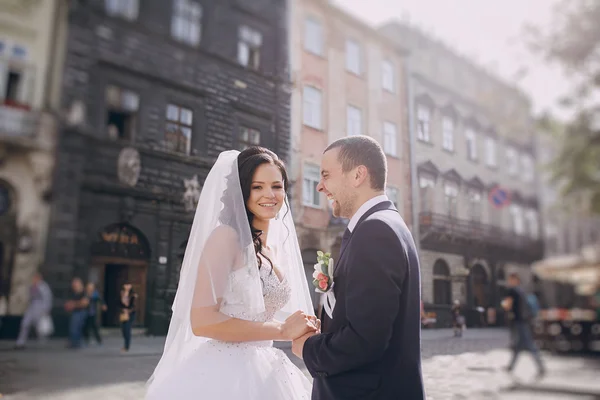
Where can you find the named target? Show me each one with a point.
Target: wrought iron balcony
(442, 227)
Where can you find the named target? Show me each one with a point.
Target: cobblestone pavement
(465, 368)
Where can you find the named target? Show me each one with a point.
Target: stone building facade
(155, 91)
(348, 80)
(475, 178)
(31, 53)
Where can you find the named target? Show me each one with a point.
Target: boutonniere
(323, 280)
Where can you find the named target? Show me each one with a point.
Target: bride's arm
(239, 330)
(216, 263)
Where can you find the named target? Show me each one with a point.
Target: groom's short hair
(362, 150)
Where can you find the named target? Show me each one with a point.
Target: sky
(488, 31)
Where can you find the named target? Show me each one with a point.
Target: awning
(581, 270)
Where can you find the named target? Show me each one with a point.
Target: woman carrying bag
(127, 313)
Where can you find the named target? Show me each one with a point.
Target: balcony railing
(475, 231)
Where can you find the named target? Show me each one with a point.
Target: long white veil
(220, 269)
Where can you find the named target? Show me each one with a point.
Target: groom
(371, 348)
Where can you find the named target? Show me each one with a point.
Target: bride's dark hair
(248, 161)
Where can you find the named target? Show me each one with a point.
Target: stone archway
(120, 254)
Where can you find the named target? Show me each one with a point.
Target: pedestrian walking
(521, 314)
(127, 305)
(77, 305)
(458, 320)
(38, 310)
(96, 304)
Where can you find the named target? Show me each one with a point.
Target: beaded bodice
(276, 293)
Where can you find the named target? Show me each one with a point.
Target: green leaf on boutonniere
(325, 269)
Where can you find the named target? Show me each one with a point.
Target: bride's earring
(277, 216)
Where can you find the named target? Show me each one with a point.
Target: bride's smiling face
(267, 192)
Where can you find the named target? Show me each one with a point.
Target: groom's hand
(297, 325)
(298, 344)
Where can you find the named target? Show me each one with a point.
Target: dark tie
(345, 238)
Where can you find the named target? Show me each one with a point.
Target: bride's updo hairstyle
(248, 161)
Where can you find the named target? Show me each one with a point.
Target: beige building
(348, 80)
(32, 37)
(474, 177)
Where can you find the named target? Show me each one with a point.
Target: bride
(242, 274)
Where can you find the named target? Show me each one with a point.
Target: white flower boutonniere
(323, 280)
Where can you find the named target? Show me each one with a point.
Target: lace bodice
(276, 294)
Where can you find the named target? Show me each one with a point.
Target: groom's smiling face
(336, 184)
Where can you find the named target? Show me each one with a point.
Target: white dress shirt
(364, 208)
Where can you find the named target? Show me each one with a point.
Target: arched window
(442, 288)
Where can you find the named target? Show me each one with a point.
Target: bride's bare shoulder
(224, 234)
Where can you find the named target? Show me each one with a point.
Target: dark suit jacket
(371, 349)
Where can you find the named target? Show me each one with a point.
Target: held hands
(298, 325)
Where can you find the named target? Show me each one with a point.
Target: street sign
(499, 197)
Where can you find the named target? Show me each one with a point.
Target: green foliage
(573, 41)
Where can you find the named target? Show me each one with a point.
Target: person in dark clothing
(370, 345)
(127, 315)
(520, 324)
(77, 305)
(91, 321)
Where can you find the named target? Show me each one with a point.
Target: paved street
(467, 368)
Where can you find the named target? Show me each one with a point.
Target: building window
(186, 23)
(516, 214)
(442, 287)
(471, 144)
(512, 161)
(423, 120)
(392, 194)
(451, 195)
(248, 137)
(19, 52)
(427, 192)
(475, 205)
(390, 135)
(388, 81)
(448, 133)
(250, 42)
(310, 196)
(353, 121)
(16, 77)
(178, 133)
(490, 152)
(122, 110)
(531, 216)
(528, 168)
(353, 57)
(313, 102)
(127, 9)
(313, 36)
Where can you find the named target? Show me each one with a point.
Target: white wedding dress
(240, 371)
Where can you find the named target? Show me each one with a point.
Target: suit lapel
(384, 205)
